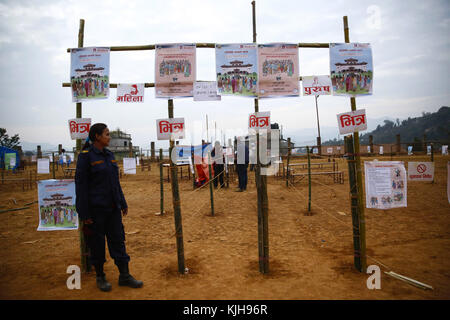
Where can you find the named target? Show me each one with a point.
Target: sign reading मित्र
(79, 128)
(89, 73)
(421, 171)
(57, 205)
(386, 184)
(170, 128)
(352, 121)
(259, 120)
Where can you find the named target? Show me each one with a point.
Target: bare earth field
(311, 257)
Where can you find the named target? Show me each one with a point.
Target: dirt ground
(311, 257)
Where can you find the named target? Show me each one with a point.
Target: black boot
(102, 283)
(125, 278)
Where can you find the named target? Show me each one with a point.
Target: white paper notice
(385, 184)
(129, 165)
(43, 166)
(206, 91)
(381, 149)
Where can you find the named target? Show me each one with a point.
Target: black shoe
(125, 278)
(103, 284)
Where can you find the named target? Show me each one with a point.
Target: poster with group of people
(57, 210)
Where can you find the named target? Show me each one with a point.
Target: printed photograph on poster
(130, 92)
(206, 91)
(43, 166)
(317, 85)
(278, 70)
(89, 73)
(381, 150)
(445, 150)
(237, 69)
(175, 68)
(351, 69)
(10, 160)
(79, 128)
(410, 149)
(420, 171)
(386, 184)
(57, 205)
(352, 121)
(170, 128)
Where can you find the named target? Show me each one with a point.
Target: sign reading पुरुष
(316, 85)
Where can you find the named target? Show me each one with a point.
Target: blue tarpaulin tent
(5, 158)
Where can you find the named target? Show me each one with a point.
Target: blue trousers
(242, 175)
(107, 223)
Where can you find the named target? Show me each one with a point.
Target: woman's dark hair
(95, 129)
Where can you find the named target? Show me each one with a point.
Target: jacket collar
(96, 150)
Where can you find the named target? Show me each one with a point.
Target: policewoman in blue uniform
(100, 204)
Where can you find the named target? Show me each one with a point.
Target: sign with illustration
(57, 205)
(385, 183)
(421, 171)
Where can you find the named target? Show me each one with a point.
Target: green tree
(6, 141)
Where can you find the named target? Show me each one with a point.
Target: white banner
(421, 171)
(386, 184)
(79, 128)
(130, 92)
(170, 129)
(353, 121)
(129, 165)
(316, 85)
(206, 91)
(43, 166)
(259, 120)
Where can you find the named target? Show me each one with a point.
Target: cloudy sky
(410, 44)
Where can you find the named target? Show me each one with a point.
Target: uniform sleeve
(82, 186)
(123, 203)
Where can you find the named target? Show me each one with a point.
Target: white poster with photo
(315, 151)
(386, 184)
(130, 92)
(368, 149)
(410, 149)
(428, 150)
(12, 162)
(57, 209)
(421, 171)
(43, 166)
(206, 91)
(129, 165)
(381, 150)
(316, 85)
(33, 158)
(445, 150)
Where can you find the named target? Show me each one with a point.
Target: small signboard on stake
(170, 129)
(133, 92)
(410, 148)
(316, 85)
(445, 150)
(421, 171)
(43, 166)
(428, 150)
(259, 120)
(79, 128)
(381, 150)
(353, 121)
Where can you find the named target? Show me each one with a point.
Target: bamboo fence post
(211, 191)
(432, 152)
(193, 168)
(176, 202)
(309, 180)
(287, 161)
(161, 182)
(359, 188)
(53, 165)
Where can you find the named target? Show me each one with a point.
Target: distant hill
(436, 127)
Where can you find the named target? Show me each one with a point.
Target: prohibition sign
(421, 168)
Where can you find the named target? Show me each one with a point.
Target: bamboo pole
(287, 161)
(176, 201)
(211, 191)
(53, 165)
(161, 182)
(309, 179)
(362, 223)
(193, 167)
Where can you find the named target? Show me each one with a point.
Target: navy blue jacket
(97, 182)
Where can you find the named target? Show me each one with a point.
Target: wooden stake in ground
(161, 182)
(176, 202)
(53, 165)
(309, 180)
(287, 161)
(359, 188)
(211, 191)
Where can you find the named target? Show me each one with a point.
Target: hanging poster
(79, 128)
(89, 73)
(10, 160)
(428, 150)
(170, 129)
(278, 70)
(175, 70)
(445, 150)
(137, 161)
(316, 85)
(206, 91)
(33, 158)
(352, 121)
(385, 184)
(259, 120)
(57, 205)
(237, 69)
(368, 149)
(129, 165)
(43, 166)
(381, 150)
(421, 171)
(130, 92)
(351, 69)
(315, 151)
(410, 148)
(330, 150)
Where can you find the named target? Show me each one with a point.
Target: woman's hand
(125, 211)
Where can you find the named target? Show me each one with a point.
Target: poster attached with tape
(351, 69)
(57, 205)
(175, 70)
(278, 70)
(89, 73)
(386, 184)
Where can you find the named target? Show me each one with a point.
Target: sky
(410, 45)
